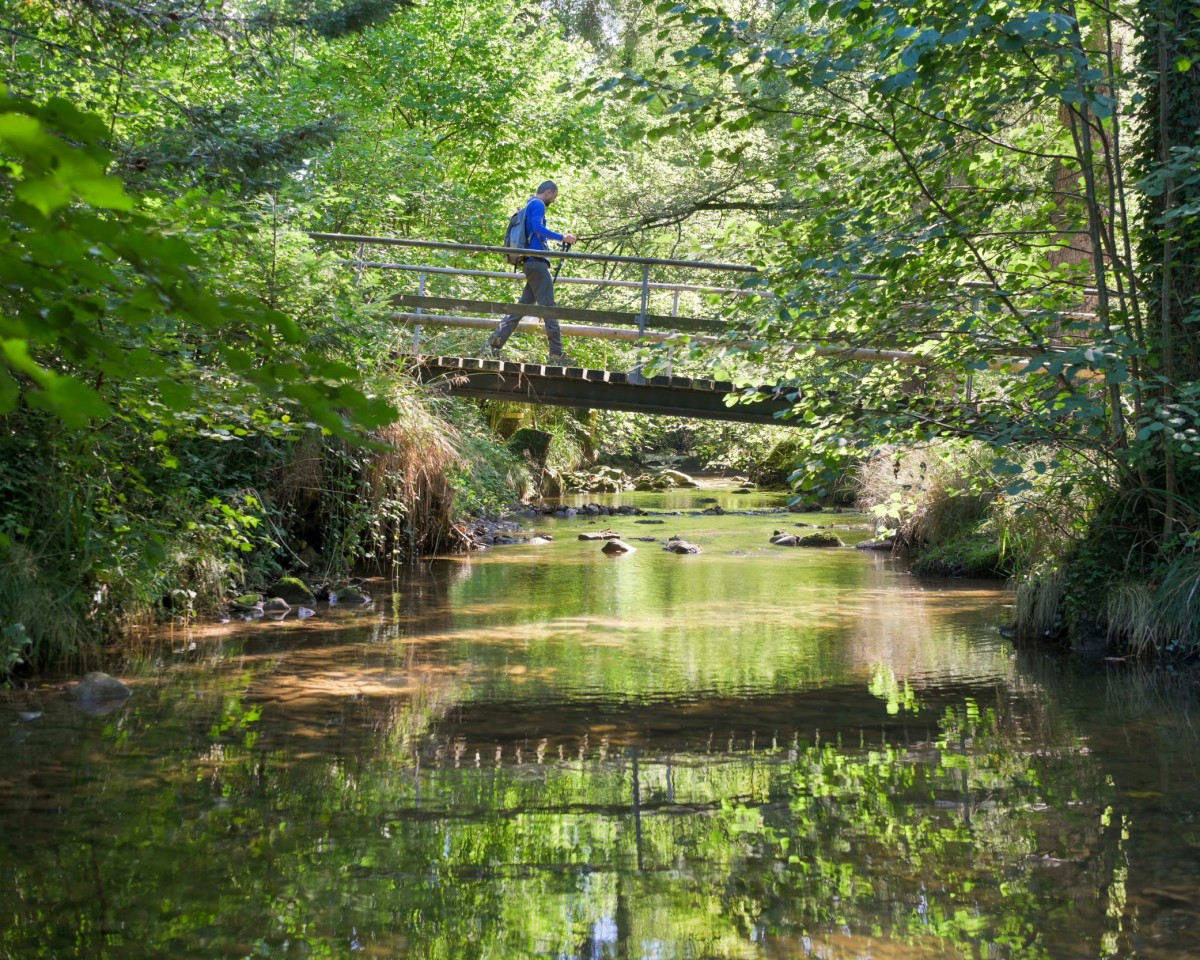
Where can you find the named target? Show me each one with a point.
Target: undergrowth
(102, 535)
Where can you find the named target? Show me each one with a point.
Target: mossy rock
(246, 602)
(352, 595)
(820, 540)
(677, 477)
(291, 589)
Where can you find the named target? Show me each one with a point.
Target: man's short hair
(547, 185)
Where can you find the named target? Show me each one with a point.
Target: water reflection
(543, 752)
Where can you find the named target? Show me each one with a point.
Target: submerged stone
(99, 687)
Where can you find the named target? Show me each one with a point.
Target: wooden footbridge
(440, 303)
(669, 395)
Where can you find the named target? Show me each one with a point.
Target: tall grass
(407, 484)
(1164, 618)
(928, 495)
(1039, 605)
(35, 594)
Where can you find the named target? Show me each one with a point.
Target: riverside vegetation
(195, 398)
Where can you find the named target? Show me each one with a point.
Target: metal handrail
(980, 285)
(563, 254)
(591, 281)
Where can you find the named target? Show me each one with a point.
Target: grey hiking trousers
(539, 289)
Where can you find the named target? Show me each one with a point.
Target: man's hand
(570, 239)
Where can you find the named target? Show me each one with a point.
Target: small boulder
(601, 535)
(291, 589)
(785, 539)
(350, 595)
(246, 603)
(679, 545)
(649, 521)
(678, 478)
(617, 547)
(276, 605)
(883, 543)
(98, 692)
(820, 540)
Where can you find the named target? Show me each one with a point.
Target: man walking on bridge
(539, 284)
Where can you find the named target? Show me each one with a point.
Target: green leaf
(176, 396)
(20, 133)
(105, 192)
(44, 195)
(71, 400)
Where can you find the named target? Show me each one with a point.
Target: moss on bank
(979, 556)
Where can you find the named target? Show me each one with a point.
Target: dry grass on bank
(408, 484)
(929, 495)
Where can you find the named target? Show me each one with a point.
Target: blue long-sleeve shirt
(535, 225)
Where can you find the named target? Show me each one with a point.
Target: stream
(540, 750)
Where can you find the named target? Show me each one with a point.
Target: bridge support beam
(601, 390)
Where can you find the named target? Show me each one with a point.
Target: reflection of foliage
(899, 695)
(596, 853)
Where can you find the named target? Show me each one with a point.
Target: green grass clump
(971, 557)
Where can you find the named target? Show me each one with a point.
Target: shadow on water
(547, 752)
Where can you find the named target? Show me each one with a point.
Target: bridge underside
(600, 390)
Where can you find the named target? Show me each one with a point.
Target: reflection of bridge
(439, 290)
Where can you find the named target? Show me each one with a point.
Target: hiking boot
(560, 360)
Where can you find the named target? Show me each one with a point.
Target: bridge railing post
(671, 350)
(635, 375)
(417, 327)
(362, 264)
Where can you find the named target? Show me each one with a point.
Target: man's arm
(535, 222)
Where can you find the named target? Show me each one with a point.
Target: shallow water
(543, 751)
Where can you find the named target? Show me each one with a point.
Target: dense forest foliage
(194, 394)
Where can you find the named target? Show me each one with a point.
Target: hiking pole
(558, 266)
